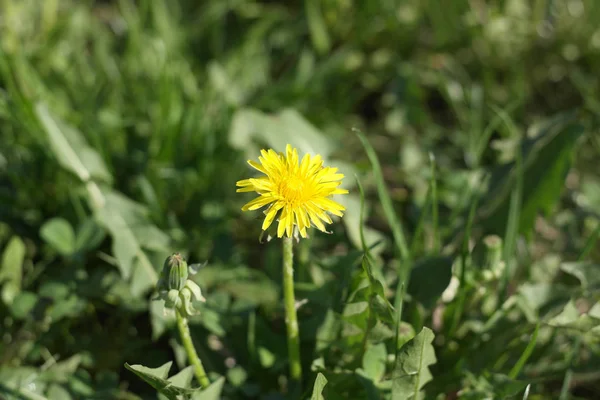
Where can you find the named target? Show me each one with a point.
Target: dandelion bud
(174, 287)
(175, 272)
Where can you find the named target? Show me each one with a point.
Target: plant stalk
(186, 338)
(291, 320)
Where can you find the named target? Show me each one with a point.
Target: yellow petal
(340, 191)
(271, 214)
(316, 221)
(304, 164)
(261, 184)
(258, 202)
(257, 166)
(282, 222)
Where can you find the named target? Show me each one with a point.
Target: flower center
(292, 188)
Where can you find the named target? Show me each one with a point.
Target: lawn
(463, 263)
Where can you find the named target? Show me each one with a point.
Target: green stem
(186, 338)
(291, 320)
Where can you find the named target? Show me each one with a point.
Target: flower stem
(186, 338)
(291, 320)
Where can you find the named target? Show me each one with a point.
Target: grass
(124, 126)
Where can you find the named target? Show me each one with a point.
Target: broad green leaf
(182, 379)
(505, 387)
(494, 386)
(587, 324)
(327, 331)
(71, 149)
(89, 235)
(16, 383)
(62, 370)
(586, 272)
(374, 361)
(125, 219)
(241, 282)
(411, 372)
(535, 297)
(58, 392)
(429, 278)
(319, 385)
(11, 269)
(286, 127)
(213, 392)
(157, 378)
(546, 161)
(154, 376)
(59, 234)
(23, 304)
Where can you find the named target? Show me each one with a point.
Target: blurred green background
(124, 126)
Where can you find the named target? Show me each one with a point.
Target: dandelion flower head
(297, 193)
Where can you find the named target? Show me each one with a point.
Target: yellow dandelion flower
(297, 193)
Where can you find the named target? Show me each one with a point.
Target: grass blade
(434, 205)
(514, 213)
(386, 200)
(514, 372)
(589, 244)
(394, 222)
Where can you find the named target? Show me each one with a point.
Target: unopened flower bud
(175, 272)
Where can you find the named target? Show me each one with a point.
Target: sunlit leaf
(412, 366)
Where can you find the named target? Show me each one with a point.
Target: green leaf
(546, 161)
(411, 372)
(429, 278)
(374, 361)
(125, 219)
(157, 378)
(491, 386)
(71, 149)
(320, 383)
(89, 235)
(505, 387)
(241, 282)
(285, 127)
(182, 379)
(59, 234)
(61, 371)
(316, 26)
(154, 376)
(587, 324)
(586, 272)
(23, 304)
(57, 392)
(11, 270)
(213, 392)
